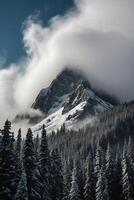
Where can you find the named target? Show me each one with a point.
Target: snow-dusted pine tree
(44, 162)
(7, 163)
(127, 189)
(36, 147)
(22, 193)
(81, 179)
(32, 174)
(98, 160)
(110, 171)
(18, 143)
(74, 191)
(102, 192)
(66, 181)
(89, 189)
(18, 156)
(57, 175)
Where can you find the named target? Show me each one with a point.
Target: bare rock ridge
(63, 84)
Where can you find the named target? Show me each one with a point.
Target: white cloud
(96, 37)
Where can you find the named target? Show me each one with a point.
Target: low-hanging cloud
(96, 37)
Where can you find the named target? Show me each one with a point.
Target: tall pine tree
(127, 189)
(29, 161)
(44, 161)
(22, 193)
(57, 175)
(89, 189)
(74, 191)
(102, 192)
(7, 165)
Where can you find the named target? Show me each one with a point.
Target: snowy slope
(56, 119)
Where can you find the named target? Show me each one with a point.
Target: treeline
(29, 171)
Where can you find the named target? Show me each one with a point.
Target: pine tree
(22, 192)
(18, 155)
(32, 174)
(36, 146)
(98, 160)
(118, 176)
(44, 161)
(18, 143)
(74, 191)
(15, 171)
(66, 181)
(7, 168)
(110, 173)
(81, 179)
(102, 192)
(57, 175)
(126, 184)
(130, 161)
(89, 189)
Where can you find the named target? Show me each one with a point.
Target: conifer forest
(94, 163)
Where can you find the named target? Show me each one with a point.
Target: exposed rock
(64, 83)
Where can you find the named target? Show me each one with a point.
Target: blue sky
(12, 15)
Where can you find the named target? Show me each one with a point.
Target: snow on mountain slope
(68, 100)
(56, 119)
(72, 119)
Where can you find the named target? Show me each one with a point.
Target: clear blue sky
(12, 15)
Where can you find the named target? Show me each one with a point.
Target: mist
(96, 37)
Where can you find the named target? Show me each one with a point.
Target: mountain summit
(68, 100)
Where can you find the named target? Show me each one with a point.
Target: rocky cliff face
(65, 83)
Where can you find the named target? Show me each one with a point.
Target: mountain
(69, 100)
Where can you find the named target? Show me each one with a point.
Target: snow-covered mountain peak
(68, 100)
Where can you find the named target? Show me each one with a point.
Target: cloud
(97, 37)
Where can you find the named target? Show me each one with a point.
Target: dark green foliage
(89, 189)
(7, 163)
(44, 162)
(18, 143)
(102, 192)
(22, 193)
(32, 174)
(57, 175)
(66, 180)
(74, 191)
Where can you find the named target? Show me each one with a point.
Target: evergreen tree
(89, 189)
(130, 161)
(18, 143)
(57, 175)
(66, 181)
(15, 172)
(117, 185)
(36, 146)
(102, 192)
(32, 174)
(110, 173)
(74, 191)
(7, 168)
(44, 160)
(18, 155)
(81, 180)
(98, 160)
(126, 184)
(22, 193)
